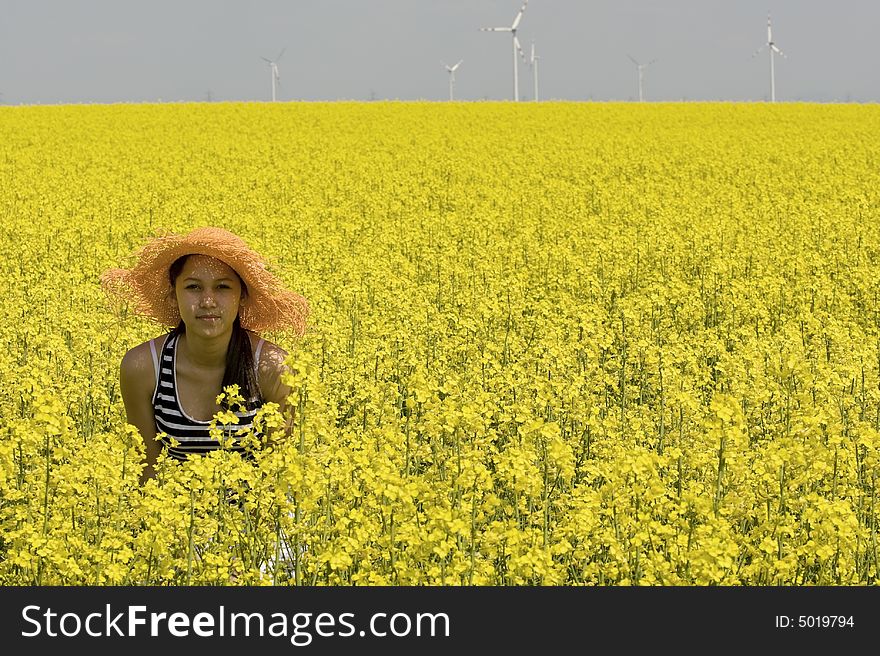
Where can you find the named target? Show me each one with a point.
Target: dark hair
(239, 358)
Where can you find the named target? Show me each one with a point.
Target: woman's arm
(271, 368)
(137, 378)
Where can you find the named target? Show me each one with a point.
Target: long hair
(239, 358)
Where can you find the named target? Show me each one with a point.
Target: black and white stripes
(192, 435)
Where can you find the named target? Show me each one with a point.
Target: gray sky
(60, 51)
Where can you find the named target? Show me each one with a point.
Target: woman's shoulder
(143, 351)
(137, 363)
(270, 368)
(271, 355)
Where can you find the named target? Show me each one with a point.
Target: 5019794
(815, 621)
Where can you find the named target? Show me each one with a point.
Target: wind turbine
(452, 76)
(533, 62)
(641, 68)
(771, 48)
(516, 47)
(273, 70)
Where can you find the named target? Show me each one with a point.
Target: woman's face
(208, 294)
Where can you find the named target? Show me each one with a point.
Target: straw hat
(266, 306)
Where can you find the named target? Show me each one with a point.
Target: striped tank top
(192, 435)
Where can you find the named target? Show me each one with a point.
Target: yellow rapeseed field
(550, 343)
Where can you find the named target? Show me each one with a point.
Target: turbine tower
(516, 47)
(452, 76)
(641, 68)
(771, 48)
(273, 71)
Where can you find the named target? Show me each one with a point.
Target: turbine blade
(778, 51)
(519, 16)
(278, 58)
(266, 60)
(633, 60)
(457, 65)
(755, 54)
(495, 29)
(519, 49)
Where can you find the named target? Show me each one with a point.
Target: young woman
(215, 294)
